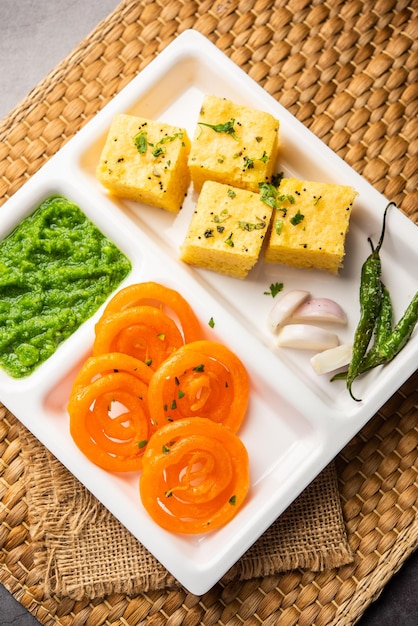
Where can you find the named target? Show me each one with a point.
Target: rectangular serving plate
(297, 421)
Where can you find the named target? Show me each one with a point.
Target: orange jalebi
(156, 397)
(108, 409)
(168, 300)
(144, 332)
(195, 476)
(203, 379)
(147, 321)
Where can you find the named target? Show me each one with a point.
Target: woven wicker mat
(348, 70)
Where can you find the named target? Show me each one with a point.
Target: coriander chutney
(56, 269)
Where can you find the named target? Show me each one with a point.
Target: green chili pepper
(388, 341)
(401, 334)
(370, 304)
(386, 347)
(383, 328)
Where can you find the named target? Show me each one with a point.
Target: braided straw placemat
(348, 70)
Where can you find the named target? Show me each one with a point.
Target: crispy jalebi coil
(106, 364)
(201, 379)
(108, 409)
(195, 476)
(143, 332)
(168, 300)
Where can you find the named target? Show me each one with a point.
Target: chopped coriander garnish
(288, 197)
(297, 218)
(142, 443)
(231, 193)
(141, 142)
(227, 128)
(199, 368)
(170, 138)
(278, 226)
(248, 163)
(222, 216)
(249, 226)
(268, 194)
(276, 179)
(158, 151)
(229, 241)
(275, 288)
(233, 500)
(211, 322)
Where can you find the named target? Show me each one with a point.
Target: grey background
(35, 35)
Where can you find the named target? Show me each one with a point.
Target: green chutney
(56, 269)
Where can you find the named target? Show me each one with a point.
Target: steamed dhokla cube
(227, 230)
(309, 223)
(146, 161)
(233, 144)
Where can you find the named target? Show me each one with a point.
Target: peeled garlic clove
(306, 337)
(332, 359)
(320, 310)
(283, 309)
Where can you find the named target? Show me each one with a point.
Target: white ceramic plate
(297, 422)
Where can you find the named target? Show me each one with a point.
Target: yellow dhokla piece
(146, 161)
(243, 149)
(227, 230)
(310, 224)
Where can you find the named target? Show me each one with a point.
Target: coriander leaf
(248, 163)
(249, 226)
(278, 226)
(170, 138)
(276, 179)
(141, 142)
(223, 215)
(275, 288)
(297, 218)
(158, 151)
(227, 128)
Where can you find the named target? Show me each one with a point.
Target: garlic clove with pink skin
(306, 337)
(319, 310)
(332, 359)
(283, 309)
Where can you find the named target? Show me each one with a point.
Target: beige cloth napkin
(82, 551)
